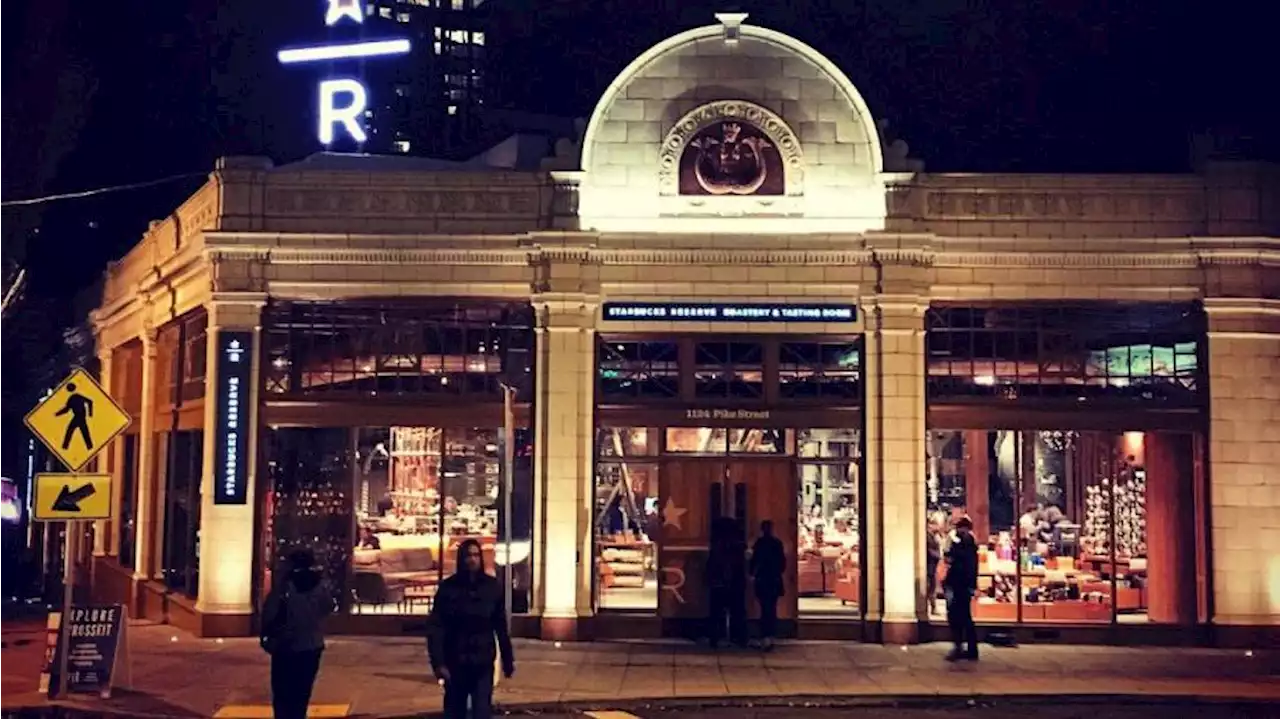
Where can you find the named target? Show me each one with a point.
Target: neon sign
(728, 312)
(343, 101)
(232, 417)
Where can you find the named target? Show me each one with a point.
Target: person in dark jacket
(768, 564)
(727, 583)
(466, 619)
(291, 632)
(959, 585)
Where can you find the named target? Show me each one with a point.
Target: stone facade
(891, 243)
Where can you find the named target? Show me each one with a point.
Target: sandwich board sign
(95, 650)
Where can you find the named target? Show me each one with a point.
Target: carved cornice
(773, 126)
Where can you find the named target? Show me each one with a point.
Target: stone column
(1244, 456)
(562, 479)
(107, 462)
(895, 458)
(227, 537)
(146, 543)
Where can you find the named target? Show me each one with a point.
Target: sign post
(76, 422)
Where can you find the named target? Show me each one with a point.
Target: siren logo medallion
(731, 148)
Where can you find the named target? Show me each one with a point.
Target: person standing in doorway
(291, 633)
(726, 583)
(959, 585)
(467, 620)
(768, 564)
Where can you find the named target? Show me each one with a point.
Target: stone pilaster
(107, 462)
(895, 426)
(227, 536)
(1244, 456)
(147, 543)
(562, 479)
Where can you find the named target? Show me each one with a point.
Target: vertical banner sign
(95, 645)
(235, 352)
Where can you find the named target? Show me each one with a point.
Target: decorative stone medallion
(730, 148)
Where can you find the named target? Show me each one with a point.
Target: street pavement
(174, 674)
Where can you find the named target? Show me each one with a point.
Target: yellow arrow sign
(78, 420)
(62, 496)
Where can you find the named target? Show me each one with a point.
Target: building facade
(736, 305)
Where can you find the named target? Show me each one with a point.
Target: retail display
(1130, 516)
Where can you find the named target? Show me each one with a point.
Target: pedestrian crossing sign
(77, 420)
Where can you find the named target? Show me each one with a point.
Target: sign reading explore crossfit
(728, 312)
(235, 350)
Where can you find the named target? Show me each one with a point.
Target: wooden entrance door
(766, 489)
(692, 495)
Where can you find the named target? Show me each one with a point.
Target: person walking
(467, 619)
(292, 634)
(959, 586)
(768, 564)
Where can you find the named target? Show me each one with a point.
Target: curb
(578, 708)
(903, 701)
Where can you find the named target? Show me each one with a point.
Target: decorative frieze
(423, 204)
(397, 257)
(1065, 204)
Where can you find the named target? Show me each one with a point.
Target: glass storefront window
(394, 504)
(1065, 521)
(1143, 352)
(820, 370)
(181, 555)
(307, 504)
(632, 370)
(393, 348)
(626, 442)
(697, 440)
(627, 522)
(729, 369)
(127, 523)
(829, 546)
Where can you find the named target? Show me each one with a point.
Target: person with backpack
(292, 633)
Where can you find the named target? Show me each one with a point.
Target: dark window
(819, 370)
(128, 520)
(1142, 352)
(308, 503)
(182, 512)
(194, 357)
(639, 369)
(729, 369)
(397, 349)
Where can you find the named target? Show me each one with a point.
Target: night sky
(103, 93)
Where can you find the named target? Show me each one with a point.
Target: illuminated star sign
(339, 9)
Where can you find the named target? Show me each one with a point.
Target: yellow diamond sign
(78, 420)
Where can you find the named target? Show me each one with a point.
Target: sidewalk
(175, 674)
